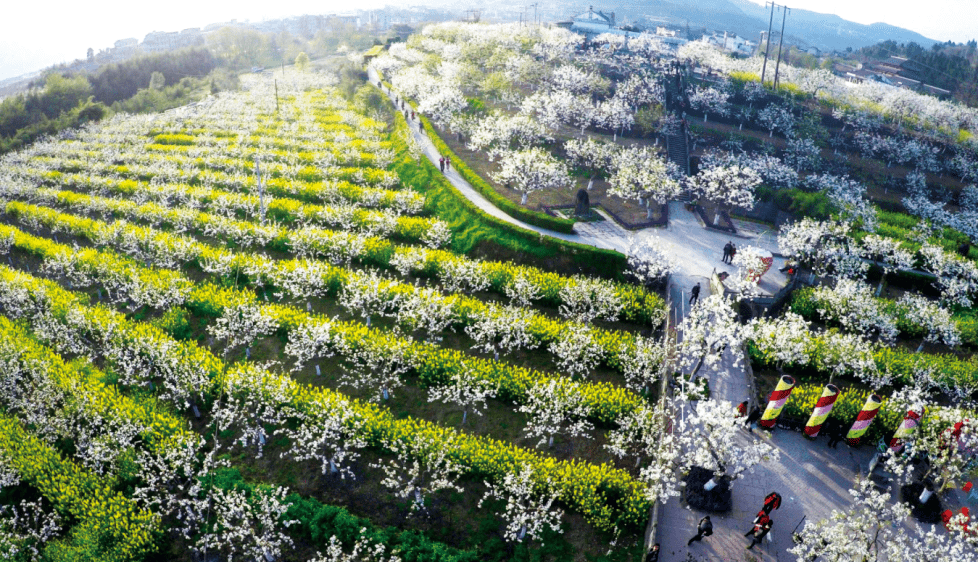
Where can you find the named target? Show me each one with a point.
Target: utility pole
(767, 47)
(276, 96)
(777, 66)
(261, 192)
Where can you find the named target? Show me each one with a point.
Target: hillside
(825, 31)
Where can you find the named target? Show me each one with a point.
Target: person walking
(733, 252)
(694, 295)
(761, 519)
(726, 251)
(760, 531)
(653, 554)
(704, 529)
(448, 162)
(441, 164)
(412, 115)
(421, 126)
(771, 502)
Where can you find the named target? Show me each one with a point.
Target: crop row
(434, 365)
(85, 392)
(637, 304)
(604, 495)
(108, 525)
(298, 278)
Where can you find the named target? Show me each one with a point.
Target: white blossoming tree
(241, 325)
(251, 527)
(648, 262)
(576, 350)
(467, 390)
(710, 100)
(555, 409)
(851, 304)
(529, 512)
(826, 247)
(503, 329)
(420, 468)
(776, 118)
(782, 341)
(522, 291)
(640, 173)
(731, 186)
(640, 363)
(710, 329)
(366, 294)
(887, 254)
(329, 434)
(531, 170)
(585, 300)
(936, 322)
(376, 365)
(861, 532)
(595, 157)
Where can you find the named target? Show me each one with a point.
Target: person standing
(754, 416)
(653, 555)
(760, 531)
(726, 251)
(421, 126)
(704, 529)
(835, 430)
(441, 164)
(412, 115)
(733, 252)
(694, 295)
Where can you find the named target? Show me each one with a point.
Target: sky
(37, 34)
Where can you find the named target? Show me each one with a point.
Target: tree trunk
(716, 218)
(920, 347)
(523, 200)
(704, 117)
(551, 442)
(770, 134)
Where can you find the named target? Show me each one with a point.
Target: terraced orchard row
(232, 329)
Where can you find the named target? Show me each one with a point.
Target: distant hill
(825, 31)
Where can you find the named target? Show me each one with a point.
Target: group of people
(445, 162)
(762, 523)
(729, 251)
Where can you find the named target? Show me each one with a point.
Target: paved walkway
(812, 479)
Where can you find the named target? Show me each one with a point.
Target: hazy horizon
(78, 27)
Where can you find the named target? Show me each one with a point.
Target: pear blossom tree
(463, 276)
(501, 328)
(253, 399)
(937, 323)
(731, 186)
(750, 266)
(576, 350)
(555, 409)
(467, 390)
(862, 532)
(528, 511)
(366, 294)
(421, 467)
(437, 236)
(522, 291)
(531, 170)
(329, 434)
(887, 254)
(640, 173)
(710, 329)
(803, 154)
(776, 117)
(364, 550)
(428, 310)
(585, 299)
(251, 527)
(709, 436)
(376, 365)
(594, 156)
(710, 100)
(638, 434)
(851, 304)
(850, 354)
(640, 363)
(826, 247)
(241, 325)
(25, 528)
(313, 339)
(648, 262)
(782, 341)
(957, 278)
